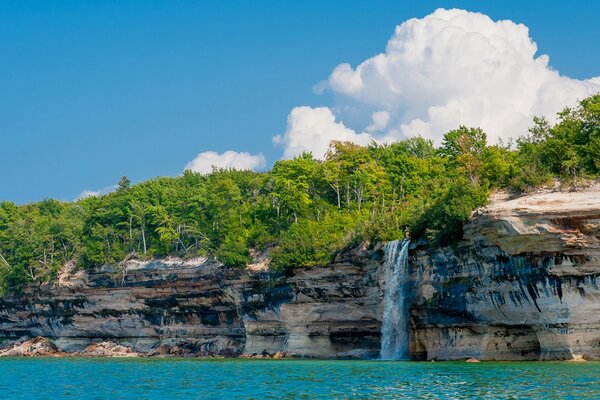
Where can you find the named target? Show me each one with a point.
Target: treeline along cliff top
(305, 210)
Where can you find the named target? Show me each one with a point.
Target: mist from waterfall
(394, 331)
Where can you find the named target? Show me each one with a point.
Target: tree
(124, 183)
(348, 157)
(137, 215)
(332, 174)
(293, 185)
(464, 147)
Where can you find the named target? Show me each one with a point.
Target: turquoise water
(291, 379)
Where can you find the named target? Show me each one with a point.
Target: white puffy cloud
(204, 162)
(380, 120)
(449, 68)
(312, 129)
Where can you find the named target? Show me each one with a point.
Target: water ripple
(293, 379)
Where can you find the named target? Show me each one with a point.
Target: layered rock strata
(202, 308)
(523, 285)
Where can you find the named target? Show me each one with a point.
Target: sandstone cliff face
(200, 307)
(522, 286)
(155, 307)
(321, 312)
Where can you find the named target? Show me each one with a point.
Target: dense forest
(305, 210)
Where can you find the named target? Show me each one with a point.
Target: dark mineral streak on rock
(522, 285)
(202, 308)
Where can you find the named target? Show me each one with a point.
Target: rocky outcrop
(190, 306)
(43, 347)
(108, 349)
(549, 222)
(522, 286)
(199, 307)
(38, 347)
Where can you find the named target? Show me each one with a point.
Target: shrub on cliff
(312, 243)
(443, 222)
(233, 252)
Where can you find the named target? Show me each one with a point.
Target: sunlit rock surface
(523, 285)
(161, 306)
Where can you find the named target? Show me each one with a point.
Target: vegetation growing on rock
(308, 208)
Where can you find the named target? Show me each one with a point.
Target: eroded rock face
(551, 222)
(201, 308)
(522, 286)
(320, 312)
(188, 305)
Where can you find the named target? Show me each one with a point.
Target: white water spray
(394, 330)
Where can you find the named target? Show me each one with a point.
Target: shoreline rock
(108, 349)
(37, 347)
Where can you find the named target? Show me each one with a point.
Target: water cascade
(394, 331)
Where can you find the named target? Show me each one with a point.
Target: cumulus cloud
(204, 162)
(312, 129)
(380, 120)
(450, 68)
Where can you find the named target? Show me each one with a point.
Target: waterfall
(394, 330)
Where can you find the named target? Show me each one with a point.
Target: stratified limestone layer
(199, 307)
(522, 286)
(321, 312)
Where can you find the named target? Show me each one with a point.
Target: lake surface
(290, 379)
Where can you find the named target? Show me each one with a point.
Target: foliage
(309, 243)
(304, 209)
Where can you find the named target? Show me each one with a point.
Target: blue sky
(93, 90)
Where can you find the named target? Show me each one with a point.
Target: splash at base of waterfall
(394, 330)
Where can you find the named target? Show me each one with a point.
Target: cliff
(522, 285)
(200, 307)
